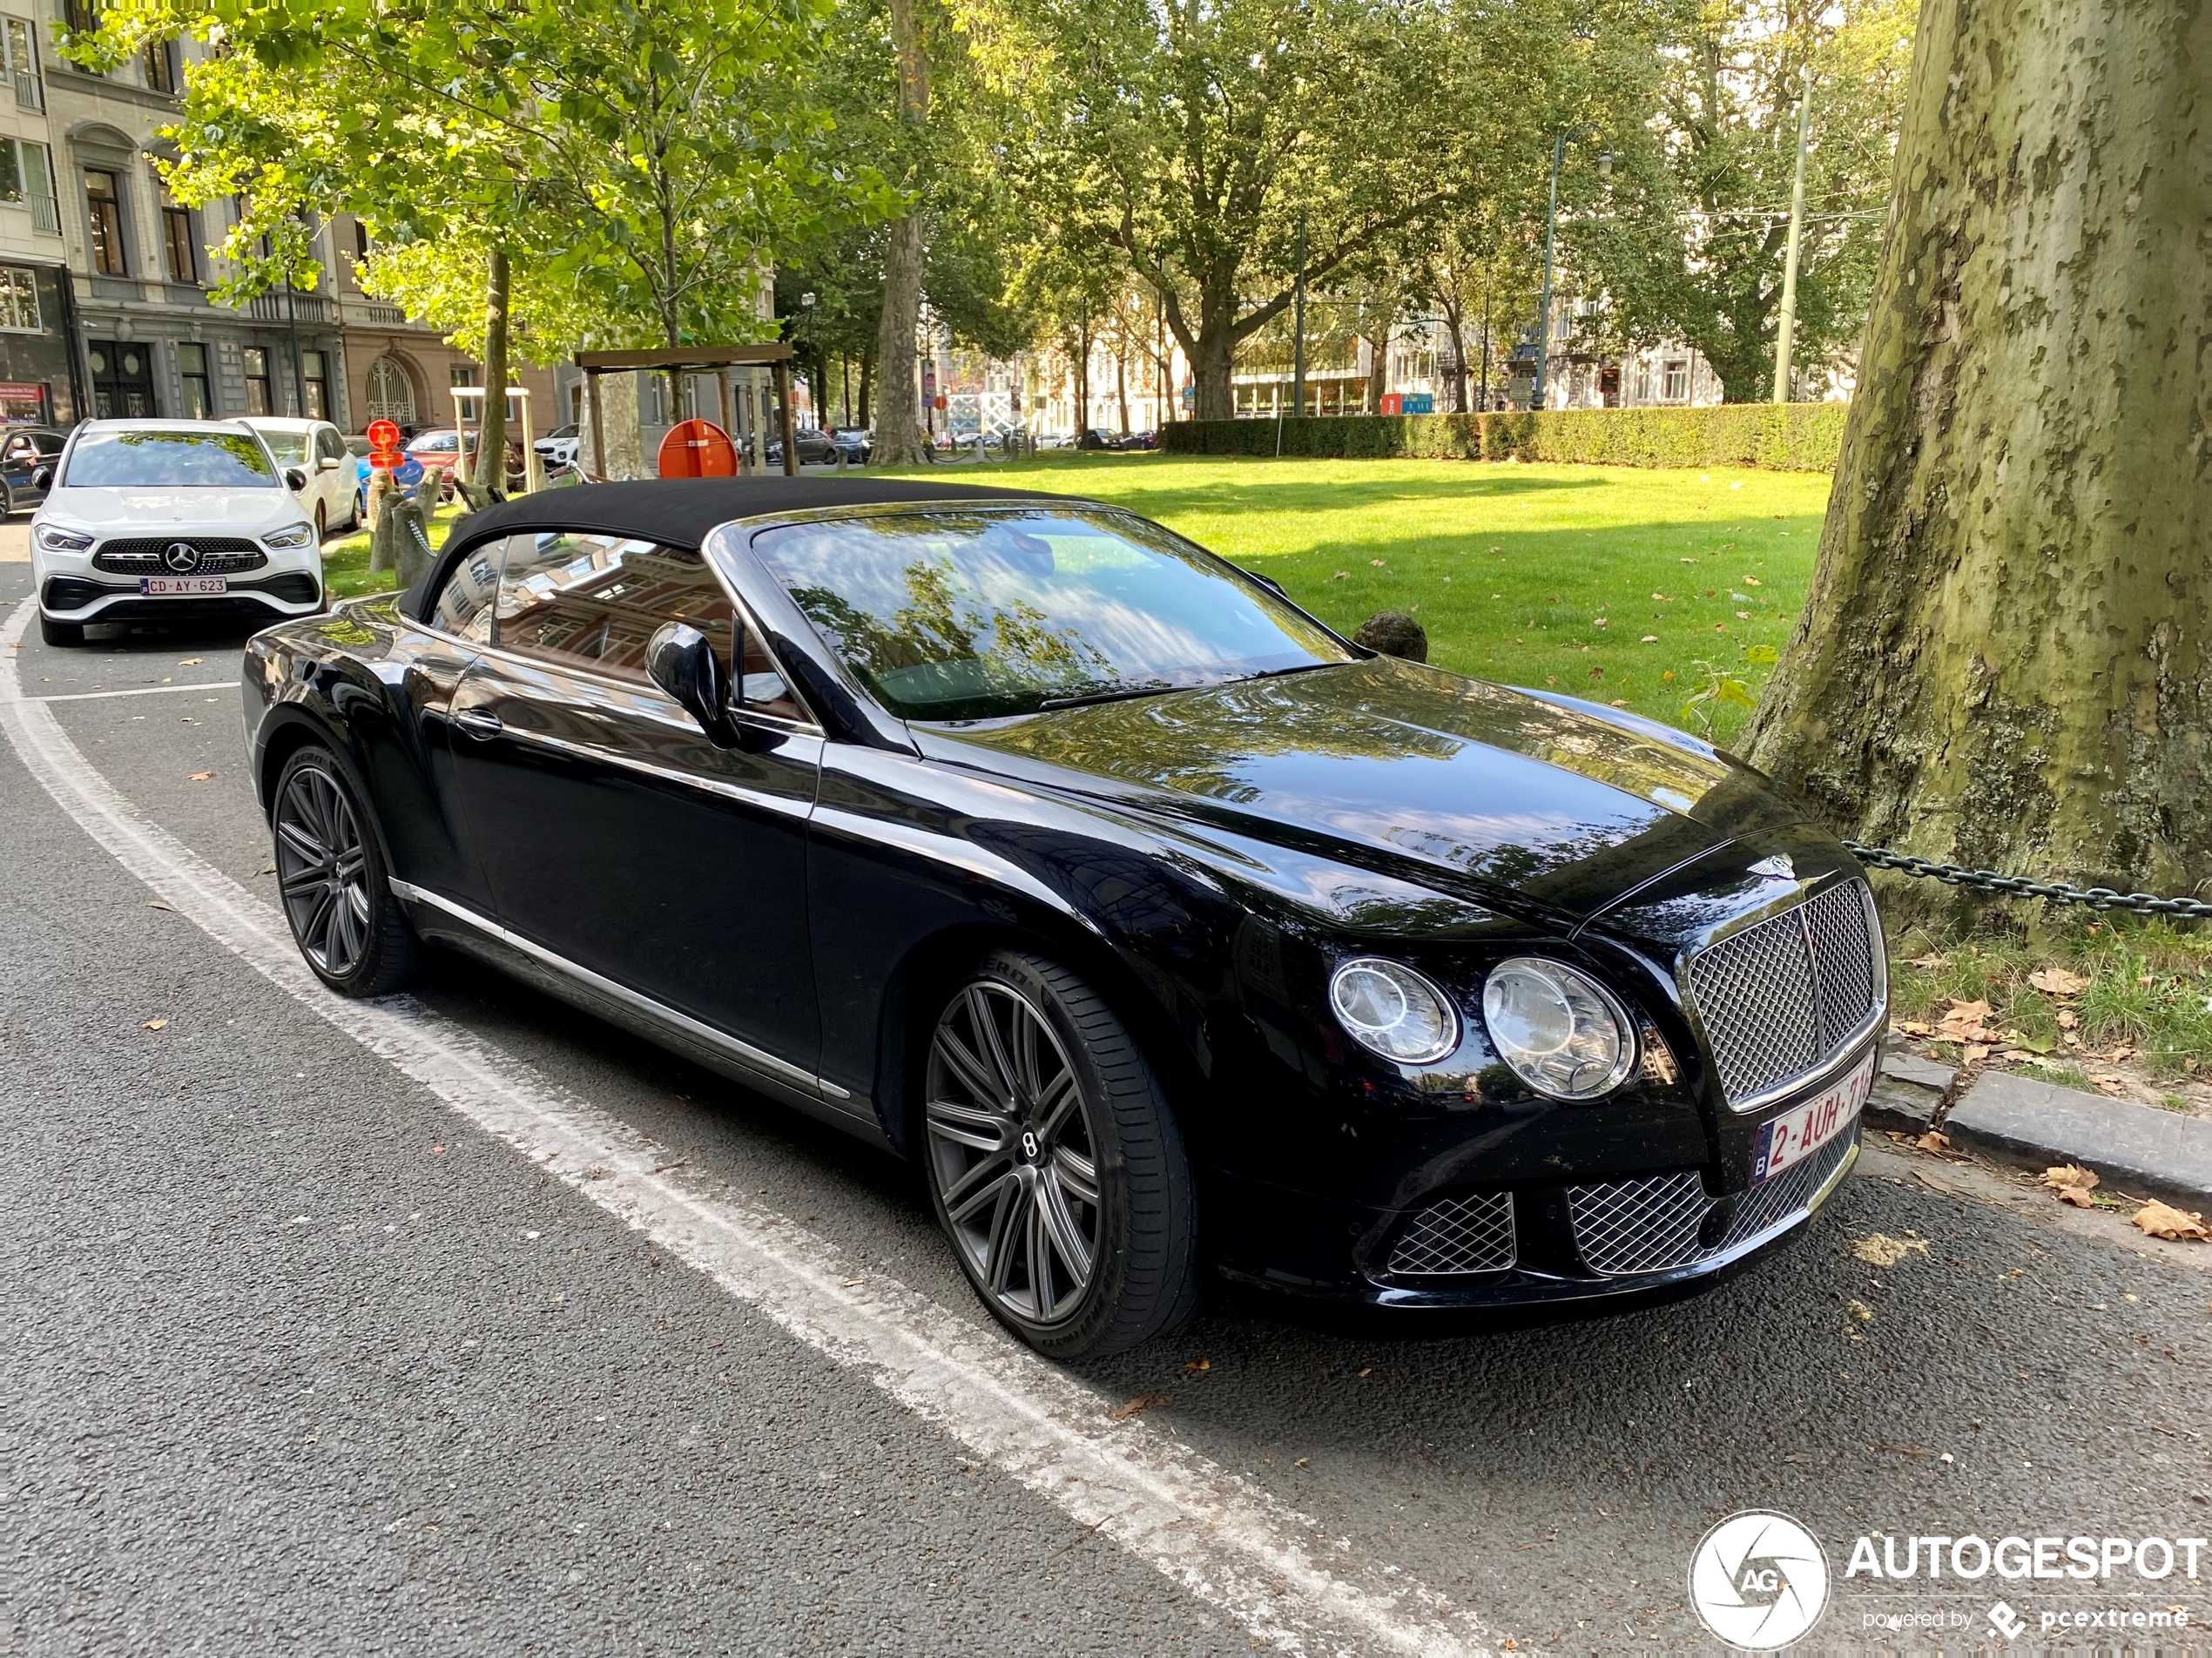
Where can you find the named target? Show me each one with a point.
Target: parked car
(816, 448)
(855, 443)
(165, 519)
(332, 498)
(26, 451)
(558, 447)
(1018, 836)
(1142, 440)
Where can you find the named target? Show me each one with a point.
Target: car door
(333, 478)
(612, 831)
(20, 461)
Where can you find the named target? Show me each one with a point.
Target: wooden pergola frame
(693, 359)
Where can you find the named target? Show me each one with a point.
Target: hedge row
(1792, 437)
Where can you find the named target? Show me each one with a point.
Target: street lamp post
(1551, 233)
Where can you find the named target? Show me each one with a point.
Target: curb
(2032, 1124)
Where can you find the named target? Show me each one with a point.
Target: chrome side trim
(758, 1058)
(789, 808)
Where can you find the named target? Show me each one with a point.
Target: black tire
(332, 883)
(993, 1164)
(60, 633)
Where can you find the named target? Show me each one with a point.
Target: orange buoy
(698, 449)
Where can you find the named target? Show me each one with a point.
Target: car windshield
(289, 448)
(189, 460)
(955, 613)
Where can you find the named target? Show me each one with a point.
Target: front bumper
(267, 596)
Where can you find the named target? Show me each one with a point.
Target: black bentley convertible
(1164, 929)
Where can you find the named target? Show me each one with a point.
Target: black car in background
(27, 458)
(816, 448)
(1166, 931)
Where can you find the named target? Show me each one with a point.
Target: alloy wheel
(322, 870)
(1012, 1153)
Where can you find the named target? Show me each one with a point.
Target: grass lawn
(1549, 575)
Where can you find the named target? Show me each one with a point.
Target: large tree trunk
(1213, 356)
(899, 439)
(489, 470)
(2004, 661)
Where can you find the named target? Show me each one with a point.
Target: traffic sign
(383, 434)
(698, 449)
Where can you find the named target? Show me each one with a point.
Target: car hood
(153, 512)
(1455, 783)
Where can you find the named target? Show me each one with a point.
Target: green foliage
(1798, 437)
(1714, 685)
(1687, 241)
(640, 164)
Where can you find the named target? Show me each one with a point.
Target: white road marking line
(141, 691)
(1204, 1526)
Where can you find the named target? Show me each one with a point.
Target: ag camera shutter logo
(1759, 1582)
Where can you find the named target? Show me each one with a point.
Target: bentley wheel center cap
(1030, 1144)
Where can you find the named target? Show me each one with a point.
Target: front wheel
(330, 873)
(1055, 1164)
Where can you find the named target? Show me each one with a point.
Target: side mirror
(328, 463)
(43, 479)
(681, 661)
(294, 479)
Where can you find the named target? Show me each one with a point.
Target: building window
(257, 381)
(19, 301)
(23, 64)
(82, 17)
(179, 245)
(391, 393)
(316, 379)
(161, 67)
(361, 241)
(103, 196)
(1676, 390)
(463, 376)
(191, 368)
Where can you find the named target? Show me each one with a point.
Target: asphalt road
(300, 1357)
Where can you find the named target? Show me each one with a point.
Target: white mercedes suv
(157, 520)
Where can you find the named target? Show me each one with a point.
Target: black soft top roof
(678, 512)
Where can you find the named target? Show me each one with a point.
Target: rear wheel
(331, 876)
(1054, 1163)
(323, 527)
(60, 633)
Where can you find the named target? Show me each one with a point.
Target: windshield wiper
(1301, 667)
(1119, 694)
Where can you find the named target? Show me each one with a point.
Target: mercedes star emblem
(181, 556)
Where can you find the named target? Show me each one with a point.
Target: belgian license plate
(1800, 1132)
(181, 587)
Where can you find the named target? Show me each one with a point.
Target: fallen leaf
(1620, 702)
(1341, 575)
(2068, 1020)
(1751, 581)
(1967, 1022)
(1650, 639)
(1915, 1027)
(1860, 1311)
(1879, 1248)
(2057, 982)
(155, 1024)
(1199, 1364)
(1662, 599)
(1375, 561)
(1931, 961)
(158, 904)
(192, 662)
(854, 1284)
(1142, 1402)
(2163, 1220)
(1974, 1052)
(2112, 1085)
(2072, 1183)
(1927, 1179)
(1506, 1645)
(199, 776)
(1933, 1140)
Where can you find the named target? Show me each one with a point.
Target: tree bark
(2004, 659)
(868, 369)
(899, 439)
(490, 469)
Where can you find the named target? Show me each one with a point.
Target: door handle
(479, 722)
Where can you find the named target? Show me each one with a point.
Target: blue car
(24, 451)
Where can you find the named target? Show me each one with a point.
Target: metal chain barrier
(1988, 880)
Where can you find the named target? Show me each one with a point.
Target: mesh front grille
(1459, 1236)
(219, 556)
(1779, 999)
(1627, 1227)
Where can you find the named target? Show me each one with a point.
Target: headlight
(295, 535)
(1394, 1011)
(55, 539)
(1559, 1030)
